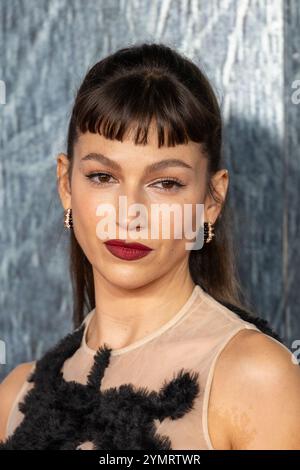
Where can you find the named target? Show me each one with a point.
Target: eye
(102, 178)
(171, 184)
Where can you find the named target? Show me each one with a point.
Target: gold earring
(68, 222)
(208, 231)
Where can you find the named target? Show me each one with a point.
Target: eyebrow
(160, 165)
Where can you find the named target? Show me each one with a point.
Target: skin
(135, 298)
(255, 396)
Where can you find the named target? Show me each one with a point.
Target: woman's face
(102, 171)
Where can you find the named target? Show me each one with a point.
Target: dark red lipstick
(127, 251)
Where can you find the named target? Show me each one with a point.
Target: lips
(127, 251)
(135, 246)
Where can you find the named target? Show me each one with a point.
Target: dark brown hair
(124, 92)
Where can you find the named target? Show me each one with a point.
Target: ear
(63, 183)
(214, 203)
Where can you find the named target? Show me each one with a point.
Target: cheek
(194, 213)
(172, 252)
(187, 219)
(84, 206)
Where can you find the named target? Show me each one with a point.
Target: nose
(131, 211)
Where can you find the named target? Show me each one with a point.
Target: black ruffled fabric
(60, 414)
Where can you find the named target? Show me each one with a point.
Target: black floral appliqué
(60, 414)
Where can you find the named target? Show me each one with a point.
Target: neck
(123, 316)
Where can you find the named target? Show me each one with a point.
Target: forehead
(129, 155)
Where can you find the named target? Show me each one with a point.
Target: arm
(9, 388)
(258, 394)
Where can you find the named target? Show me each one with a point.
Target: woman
(163, 355)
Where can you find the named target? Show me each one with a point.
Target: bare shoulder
(255, 395)
(9, 389)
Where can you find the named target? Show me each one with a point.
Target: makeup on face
(127, 251)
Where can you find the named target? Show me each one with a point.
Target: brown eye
(170, 184)
(99, 178)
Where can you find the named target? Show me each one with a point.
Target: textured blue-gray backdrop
(250, 50)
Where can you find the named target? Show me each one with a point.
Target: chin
(120, 284)
(126, 278)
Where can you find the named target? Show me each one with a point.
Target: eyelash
(176, 181)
